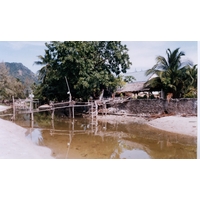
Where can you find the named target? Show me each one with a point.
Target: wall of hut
(156, 106)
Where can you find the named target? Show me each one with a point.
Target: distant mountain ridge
(21, 72)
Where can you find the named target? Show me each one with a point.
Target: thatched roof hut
(136, 85)
(133, 88)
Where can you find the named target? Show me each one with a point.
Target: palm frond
(172, 74)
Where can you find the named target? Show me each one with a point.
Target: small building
(133, 90)
(136, 88)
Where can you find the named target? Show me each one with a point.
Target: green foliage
(152, 96)
(190, 82)
(129, 79)
(191, 94)
(142, 97)
(172, 75)
(88, 66)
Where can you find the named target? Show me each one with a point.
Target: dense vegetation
(89, 68)
(171, 75)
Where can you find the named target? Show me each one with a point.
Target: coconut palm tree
(168, 73)
(190, 82)
(44, 62)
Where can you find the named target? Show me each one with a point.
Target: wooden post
(52, 114)
(31, 106)
(70, 96)
(32, 124)
(96, 127)
(96, 108)
(52, 124)
(32, 116)
(104, 108)
(73, 111)
(92, 111)
(70, 112)
(71, 108)
(13, 109)
(73, 127)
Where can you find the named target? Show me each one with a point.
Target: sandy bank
(13, 143)
(175, 124)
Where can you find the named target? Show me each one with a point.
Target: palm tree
(44, 62)
(45, 75)
(169, 73)
(190, 82)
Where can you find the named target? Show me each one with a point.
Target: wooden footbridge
(31, 106)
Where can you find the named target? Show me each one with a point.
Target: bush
(144, 97)
(152, 97)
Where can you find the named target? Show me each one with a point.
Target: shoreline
(14, 144)
(176, 124)
(186, 125)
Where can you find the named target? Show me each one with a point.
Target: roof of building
(133, 87)
(136, 85)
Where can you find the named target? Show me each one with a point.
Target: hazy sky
(142, 53)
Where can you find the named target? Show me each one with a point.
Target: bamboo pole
(70, 96)
(13, 118)
(96, 108)
(32, 116)
(31, 107)
(73, 111)
(52, 114)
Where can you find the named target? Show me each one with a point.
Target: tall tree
(88, 66)
(169, 74)
(190, 82)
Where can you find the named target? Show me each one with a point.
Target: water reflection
(35, 136)
(136, 154)
(84, 138)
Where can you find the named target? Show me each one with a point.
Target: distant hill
(19, 71)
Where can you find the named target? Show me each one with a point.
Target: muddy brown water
(82, 138)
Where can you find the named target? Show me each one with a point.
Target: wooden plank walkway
(28, 108)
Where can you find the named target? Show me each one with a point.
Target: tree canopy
(172, 75)
(89, 66)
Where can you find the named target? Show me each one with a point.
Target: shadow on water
(85, 138)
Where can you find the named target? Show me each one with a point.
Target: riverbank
(14, 145)
(175, 124)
